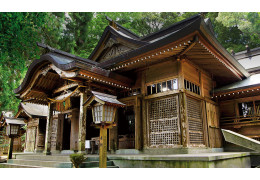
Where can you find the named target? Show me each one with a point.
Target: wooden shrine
(167, 81)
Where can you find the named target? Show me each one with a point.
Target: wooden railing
(241, 120)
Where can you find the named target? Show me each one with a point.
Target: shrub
(77, 159)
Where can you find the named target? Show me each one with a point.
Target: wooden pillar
(10, 150)
(103, 147)
(113, 135)
(47, 148)
(144, 124)
(82, 122)
(184, 119)
(138, 124)
(144, 112)
(205, 123)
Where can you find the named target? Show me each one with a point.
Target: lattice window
(195, 121)
(164, 122)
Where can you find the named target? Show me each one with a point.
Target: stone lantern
(12, 131)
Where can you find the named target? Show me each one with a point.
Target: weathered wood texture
(31, 134)
(163, 122)
(47, 147)
(161, 71)
(194, 111)
(113, 133)
(74, 134)
(82, 121)
(215, 137)
(184, 119)
(190, 73)
(138, 124)
(207, 85)
(103, 148)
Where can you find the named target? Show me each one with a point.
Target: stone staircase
(50, 161)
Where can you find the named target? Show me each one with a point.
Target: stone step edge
(28, 166)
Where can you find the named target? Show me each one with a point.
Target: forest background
(79, 32)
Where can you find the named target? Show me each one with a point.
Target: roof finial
(247, 48)
(112, 22)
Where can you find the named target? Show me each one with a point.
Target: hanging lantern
(104, 107)
(13, 126)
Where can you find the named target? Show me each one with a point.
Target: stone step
(57, 164)
(8, 165)
(94, 164)
(38, 163)
(59, 158)
(128, 151)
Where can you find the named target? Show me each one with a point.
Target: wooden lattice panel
(195, 121)
(164, 122)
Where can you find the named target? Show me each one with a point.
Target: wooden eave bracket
(194, 42)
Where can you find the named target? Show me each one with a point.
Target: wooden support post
(184, 119)
(113, 135)
(47, 148)
(138, 124)
(144, 123)
(103, 147)
(82, 122)
(205, 123)
(10, 150)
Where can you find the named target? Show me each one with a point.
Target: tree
(19, 33)
(238, 29)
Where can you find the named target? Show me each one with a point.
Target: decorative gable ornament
(103, 106)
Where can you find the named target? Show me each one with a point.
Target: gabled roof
(116, 33)
(177, 31)
(65, 62)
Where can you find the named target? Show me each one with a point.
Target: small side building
(5, 118)
(35, 118)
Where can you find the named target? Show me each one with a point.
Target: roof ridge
(51, 49)
(124, 28)
(171, 26)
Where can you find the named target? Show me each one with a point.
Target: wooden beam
(65, 87)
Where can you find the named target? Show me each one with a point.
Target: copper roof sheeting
(251, 81)
(107, 98)
(35, 109)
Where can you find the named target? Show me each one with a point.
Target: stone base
(205, 160)
(191, 150)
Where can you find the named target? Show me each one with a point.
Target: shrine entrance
(66, 133)
(126, 128)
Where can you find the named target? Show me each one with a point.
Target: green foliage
(235, 30)
(3, 142)
(19, 32)
(77, 159)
